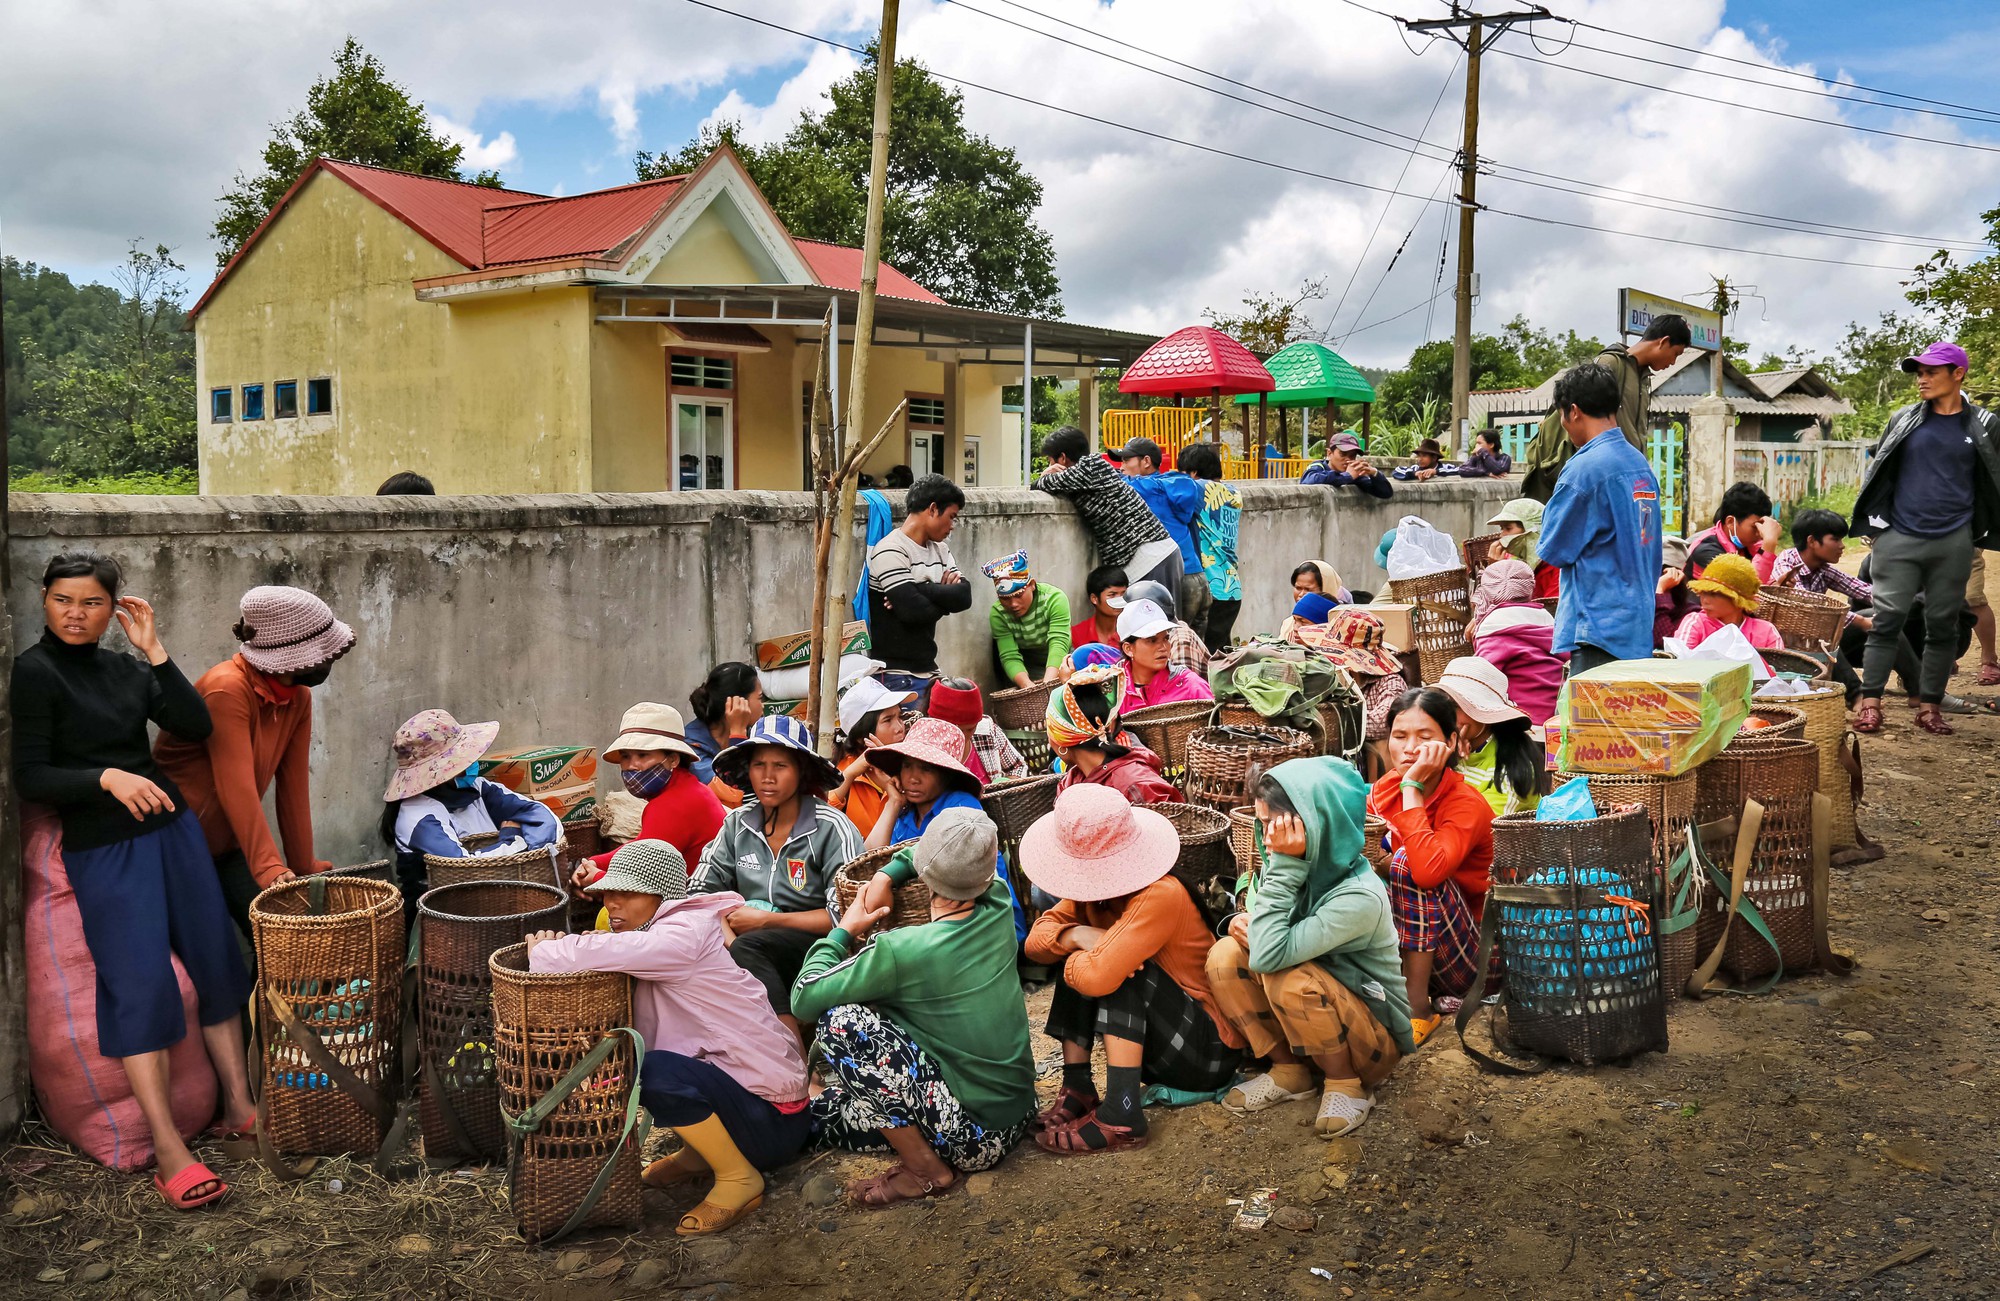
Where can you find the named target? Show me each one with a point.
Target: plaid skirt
(1440, 921)
(1182, 1048)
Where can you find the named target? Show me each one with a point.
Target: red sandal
(1932, 721)
(1868, 719)
(1070, 1106)
(879, 1193)
(1076, 1138)
(179, 1190)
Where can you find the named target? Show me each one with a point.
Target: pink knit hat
(286, 629)
(1097, 846)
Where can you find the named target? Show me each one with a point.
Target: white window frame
(701, 398)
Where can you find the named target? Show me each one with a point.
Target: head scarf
(1313, 607)
(1504, 582)
(1526, 546)
(1010, 574)
(1329, 581)
(1094, 653)
(1332, 801)
(1068, 724)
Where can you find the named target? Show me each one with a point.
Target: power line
(1398, 316)
(1384, 277)
(1547, 180)
(1294, 170)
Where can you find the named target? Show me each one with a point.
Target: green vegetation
(143, 483)
(959, 217)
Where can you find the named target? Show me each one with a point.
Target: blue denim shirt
(1602, 529)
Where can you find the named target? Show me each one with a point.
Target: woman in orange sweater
(1441, 841)
(1131, 952)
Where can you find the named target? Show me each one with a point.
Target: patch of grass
(145, 483)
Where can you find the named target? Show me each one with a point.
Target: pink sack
(83, 1095)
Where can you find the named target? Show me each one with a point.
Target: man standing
(1126, 533)
(1177, 502)
(1930, 497)
(1632, 369)
(1346, 467)
(1602, 529)
(912, 583)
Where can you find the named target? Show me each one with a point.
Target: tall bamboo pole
(840, 578)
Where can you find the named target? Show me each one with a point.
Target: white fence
(1791, 472)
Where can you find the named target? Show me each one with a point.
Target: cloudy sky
(124, 119)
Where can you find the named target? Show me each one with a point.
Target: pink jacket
(689, 996)
(1699, 626)
(1164, 689)
(1515, 639)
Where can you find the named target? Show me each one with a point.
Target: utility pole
(1477, 28)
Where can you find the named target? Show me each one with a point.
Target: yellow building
(657, 336)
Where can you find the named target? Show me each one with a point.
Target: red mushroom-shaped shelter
(1197, 359)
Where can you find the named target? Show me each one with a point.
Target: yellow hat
(1731, 576)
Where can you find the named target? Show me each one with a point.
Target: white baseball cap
(866, 696)
(1142, 619)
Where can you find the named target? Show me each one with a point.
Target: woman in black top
(145, 886)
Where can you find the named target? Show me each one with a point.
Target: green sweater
(953, 985)
(1046, 624)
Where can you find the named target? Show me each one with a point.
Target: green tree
(1964, 299)
(1268, 322)
(357, 115)
(1428, 374)
(1543, 354)
(59, 320)
(958, 217)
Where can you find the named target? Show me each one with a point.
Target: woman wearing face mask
(261, 702)
(437, 798)
(656, 764)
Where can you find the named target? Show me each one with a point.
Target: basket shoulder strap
(1749, 827)
(1489, 933)
(638, 1125)
(364, 1094)
(1824, 957)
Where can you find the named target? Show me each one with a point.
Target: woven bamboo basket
(1826, 727)
(1165, 729)
(1781, 723)
(1478, 554)
(1796, 661)
(1576, 902)
(1020, 708)
(1243, 837)
(1207, 862)
(461, 926)
(537, 865)
(1235, 713)
(1806, 620)
(337, 965)
(1443, 604)
(1374, 843)
(543, 1026)
(1033, 745)
(1669, 803)
(1224, 763)
(912, 906)
(1017, 805)
(382, 869)
(1782, 777)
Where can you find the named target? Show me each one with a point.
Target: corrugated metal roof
(598, 224)
(447, 213)
(838, 267)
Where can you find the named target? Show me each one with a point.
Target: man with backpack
(1660, 347)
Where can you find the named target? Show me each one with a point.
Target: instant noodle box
(1650, 716)
(572, 804)
(546, 768)
(794, 651)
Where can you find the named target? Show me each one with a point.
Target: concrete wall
(554, 613)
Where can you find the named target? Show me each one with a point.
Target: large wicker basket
(1478, 553)
(1443, 604)
(1165, 729)
(1782, 777)
(1243, 837)
(1207, 862)
(329, 949)
(1032, 743)
(1020, 708)
(537, 865)
(382, 869)
(1669, 803)
(1576, 901)
(1825, 709)
(1018, 804)
(1808, 621)
(460, 928)
(1780, 723)
(1796, 661)
(1224, 763)
(544, 1025)
(912, 905)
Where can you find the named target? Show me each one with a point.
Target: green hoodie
(1329, 907)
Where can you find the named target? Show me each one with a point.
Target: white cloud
(803, 92)
(480, 154)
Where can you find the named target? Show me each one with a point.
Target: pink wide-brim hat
(288, 629)
(932, 741)
(1096, 846)
(432, 748)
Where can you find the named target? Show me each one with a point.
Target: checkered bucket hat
(288, 629)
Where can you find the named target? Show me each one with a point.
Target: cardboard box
(572, 804)
(1588, 748)
(532, 772)
(795, 649)
(1395, 617)
(1658, 694)
(787, 708)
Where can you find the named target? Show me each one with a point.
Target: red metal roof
(1197, 359)
(485, 228)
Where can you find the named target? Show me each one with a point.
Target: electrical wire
(1292, 169)
(1383, 279)
(1399, 316)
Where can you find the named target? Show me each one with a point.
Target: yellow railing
(1275, 467)
(1171, 427)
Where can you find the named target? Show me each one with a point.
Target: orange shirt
(1449, 835)
(863, 805)
(1157, 924)
(258, 736)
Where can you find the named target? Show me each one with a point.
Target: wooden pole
(1468, 170)
(825, 490)
(841, 566)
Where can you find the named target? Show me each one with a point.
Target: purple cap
(1346, 441)
(1938, 354)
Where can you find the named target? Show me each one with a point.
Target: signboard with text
(1636, 311)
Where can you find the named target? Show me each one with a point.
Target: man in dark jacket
(1930, 496)
(1346, 467)
(1660, 347)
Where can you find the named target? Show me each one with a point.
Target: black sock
(1076, 1077)
(1121, 1099)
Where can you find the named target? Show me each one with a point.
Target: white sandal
(1260, 1094)
(1341, 1114)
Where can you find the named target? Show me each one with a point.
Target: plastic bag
(1420, 549)
(1728, 645)
(1569, 802)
